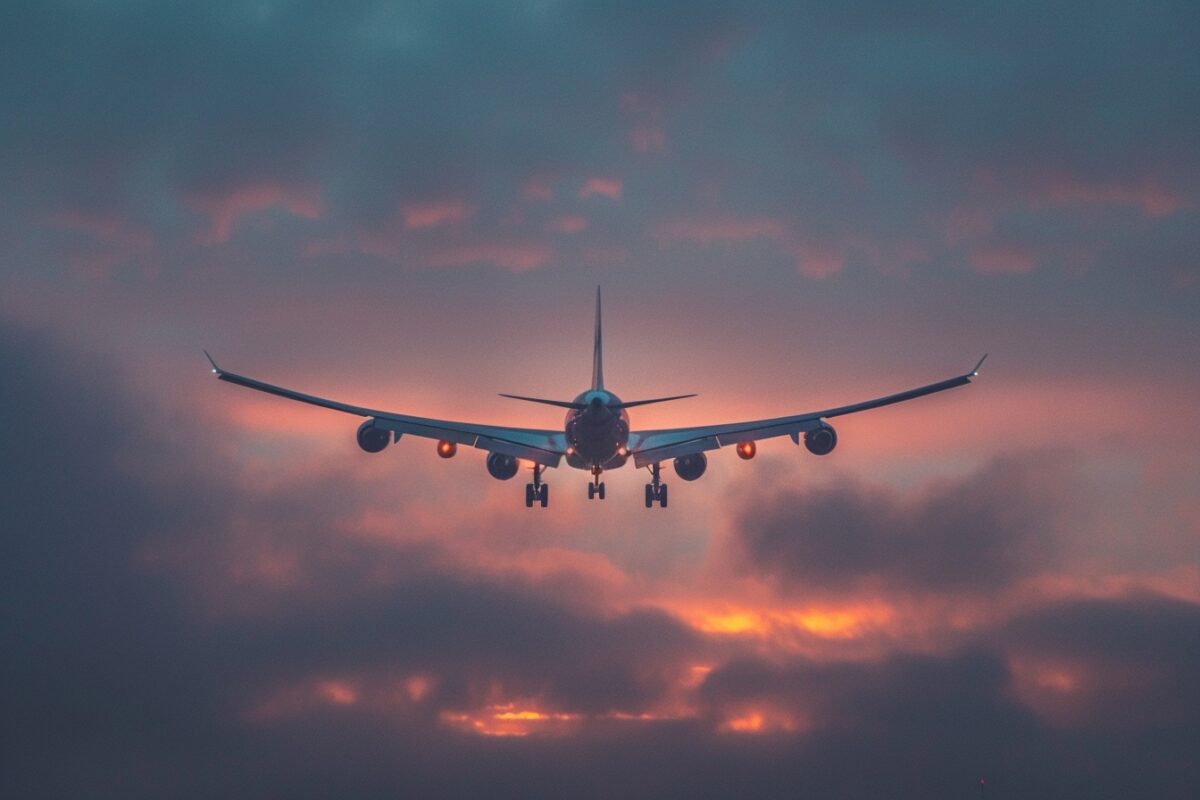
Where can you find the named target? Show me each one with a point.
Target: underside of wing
(650, 447)
(545, 447)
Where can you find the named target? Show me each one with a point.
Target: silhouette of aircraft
(596, 435)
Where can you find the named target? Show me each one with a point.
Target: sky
(994, 591)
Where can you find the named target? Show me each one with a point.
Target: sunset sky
(209, 592)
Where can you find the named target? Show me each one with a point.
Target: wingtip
(975, 372)
(215, 369)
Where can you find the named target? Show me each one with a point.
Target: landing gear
(537, 491)
(596, 488)
(656, 489)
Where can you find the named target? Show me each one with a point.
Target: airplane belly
(596, 444)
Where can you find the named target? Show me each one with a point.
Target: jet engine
(821, 441)
(372, 439)
(500, 466)
(691, 466)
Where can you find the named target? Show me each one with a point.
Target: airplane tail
(597, 379)
(598, 350)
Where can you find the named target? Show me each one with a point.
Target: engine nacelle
(691, 466)
(821, 441)
(373, 439)
(501, 467)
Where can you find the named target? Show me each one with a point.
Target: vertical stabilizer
(598, 352)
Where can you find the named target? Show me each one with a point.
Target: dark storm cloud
(117, 683)
(918, 725)
(973, 535)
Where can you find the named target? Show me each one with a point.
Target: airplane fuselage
(597, 434)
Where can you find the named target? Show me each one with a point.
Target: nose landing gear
(596, 487)
(656, 489)
(537, 491)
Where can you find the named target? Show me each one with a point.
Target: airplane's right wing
(650, 447)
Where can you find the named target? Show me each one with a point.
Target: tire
(591, 491)
(544, 495)
(649, 495)
(662, 496)
(529, 495)
(600, 491)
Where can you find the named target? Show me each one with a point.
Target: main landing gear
(596, 487)
(656, 489)
(537, 491)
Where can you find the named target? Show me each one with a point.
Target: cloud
(601, 187)
(435, 214)
(971, 536)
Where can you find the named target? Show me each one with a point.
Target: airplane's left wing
(545, 447)
(650, 447)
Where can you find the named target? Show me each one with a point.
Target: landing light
(747, 450)
(446, 449)
(622, 451)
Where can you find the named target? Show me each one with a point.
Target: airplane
(596, 435)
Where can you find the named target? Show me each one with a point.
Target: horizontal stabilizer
(633, 403)
(559, 403)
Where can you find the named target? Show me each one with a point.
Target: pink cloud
(602, 187)
(1147, 194)
(720, 229)
(435, 214)
(1003, 259)
(818, 261)
(537, 187)
(225, 208)
(517, 257)
(568, 223)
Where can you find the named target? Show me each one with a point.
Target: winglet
(216, 370)
(975, 371)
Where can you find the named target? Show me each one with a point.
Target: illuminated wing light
(446, 449)
(747, 450)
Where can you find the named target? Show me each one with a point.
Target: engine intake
(821, 441)
(501, 467)
(691, 466)
(372, 439)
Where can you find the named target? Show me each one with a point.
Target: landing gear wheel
(591, 491)
(600, 491)
(544, 495)
(529, 495)
(656, 489)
